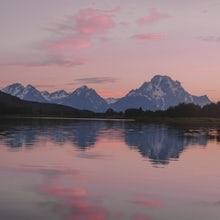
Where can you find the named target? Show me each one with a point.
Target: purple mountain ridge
(158, 94)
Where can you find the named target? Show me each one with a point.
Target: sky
(112, 46)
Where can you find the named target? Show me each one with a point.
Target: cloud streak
(210, 38)
(153, 16)
(95, 80)
(149, 37)
(57, 61)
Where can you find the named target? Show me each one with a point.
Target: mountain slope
(55, 97)
(11, 105)
(28, 93)
(158, 94)
(85, 98)
(82, 98)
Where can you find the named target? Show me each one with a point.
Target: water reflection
(65, 170)
(159, 143)
(83, 134)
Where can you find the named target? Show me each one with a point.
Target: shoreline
(69, 118)
(156, 120)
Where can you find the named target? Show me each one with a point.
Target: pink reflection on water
(77, 201)
(88, 212)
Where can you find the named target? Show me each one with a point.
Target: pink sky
(111, 46)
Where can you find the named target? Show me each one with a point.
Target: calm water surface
(101, 170)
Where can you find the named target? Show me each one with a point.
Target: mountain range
(11, 105)
(158, 94)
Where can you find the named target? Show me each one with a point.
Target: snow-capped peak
(14, 89)
(158, 94)
(84, 90)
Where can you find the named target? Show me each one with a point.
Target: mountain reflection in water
(160, 143)
(107, 170)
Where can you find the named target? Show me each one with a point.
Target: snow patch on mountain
(158, 94)
(111, 100)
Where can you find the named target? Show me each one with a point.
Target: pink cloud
(89, 22)
(73, 42)
(78, 32)
(154, 16)
(149, 37)
(60, 52)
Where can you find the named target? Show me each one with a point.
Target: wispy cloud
(68, 39)
(149, 37)
(153, 16)
(210, 38)
(95, 80)
(57, 61)
(91, 22)
(43, 60)
(79, 30)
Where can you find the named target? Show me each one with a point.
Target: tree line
(211, 110)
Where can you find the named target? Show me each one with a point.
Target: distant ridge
(11, 105)
(158, 94)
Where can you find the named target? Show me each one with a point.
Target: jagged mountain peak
(84, 87)
(45, 93)
(85, 90)
(16, 85)
(159, 85)
(15, 89)
(86, 98)
(29, 92)
(159, 93)
(30, 87)
(161, 80)
(59, 92)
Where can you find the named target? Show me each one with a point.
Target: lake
(101, 170)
